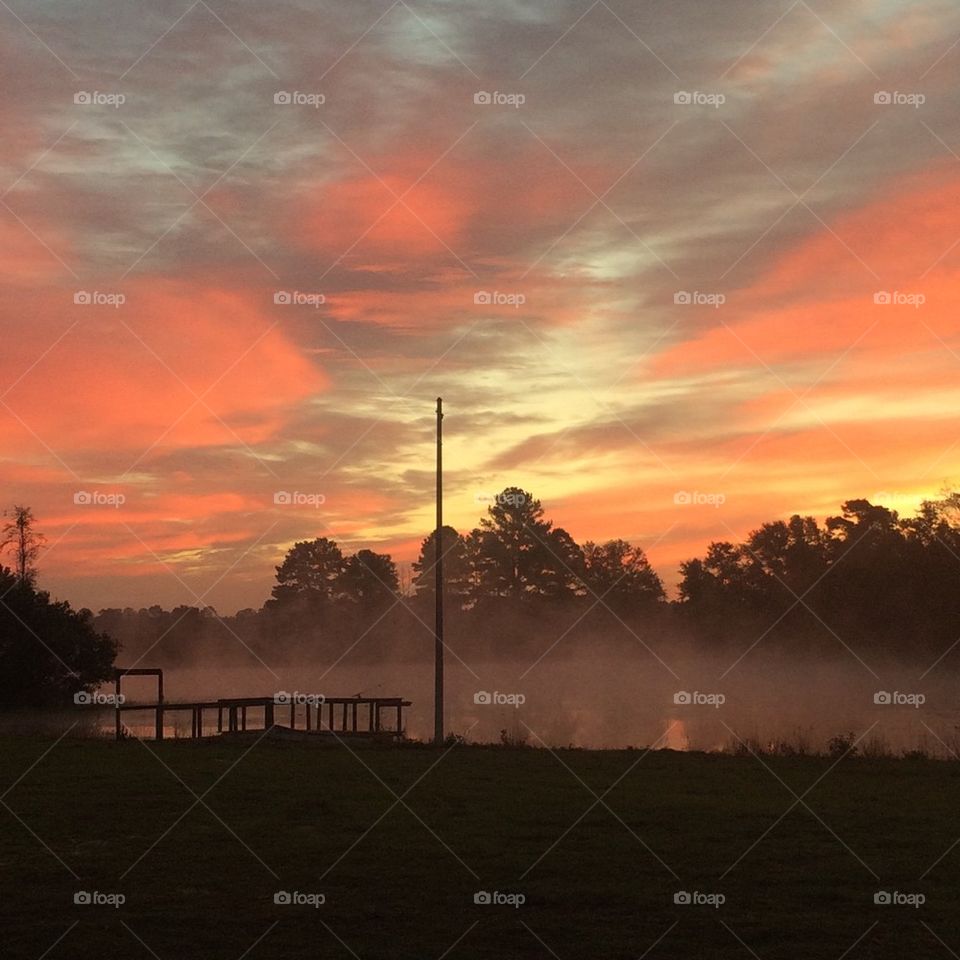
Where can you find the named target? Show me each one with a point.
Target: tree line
(866, 580)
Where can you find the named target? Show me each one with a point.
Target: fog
(617, 700)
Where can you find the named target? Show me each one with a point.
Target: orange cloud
(127, 377)
(473, 207)
(818, 300)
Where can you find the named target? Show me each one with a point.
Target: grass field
(399, 878)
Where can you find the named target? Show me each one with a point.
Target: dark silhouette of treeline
(518, 586)
(511, 584)
(866, 579)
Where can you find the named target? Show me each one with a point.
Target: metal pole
(438, 545)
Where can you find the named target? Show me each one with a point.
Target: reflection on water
(675, 737)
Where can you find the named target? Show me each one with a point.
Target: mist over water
(614, 700)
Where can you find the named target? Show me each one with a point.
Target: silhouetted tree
(456, 567)
(311, 571)
(48, 652)
(516, 554)
(621, 576)
(19, 538)
(370, 579)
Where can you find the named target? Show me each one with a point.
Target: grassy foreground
(399, 878)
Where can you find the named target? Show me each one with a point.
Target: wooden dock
(335, 716)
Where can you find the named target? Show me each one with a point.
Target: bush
(842, 745)
(48, 651)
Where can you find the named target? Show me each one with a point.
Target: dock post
(116, 702)
(159, 704)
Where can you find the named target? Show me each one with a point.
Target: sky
(676, 268)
